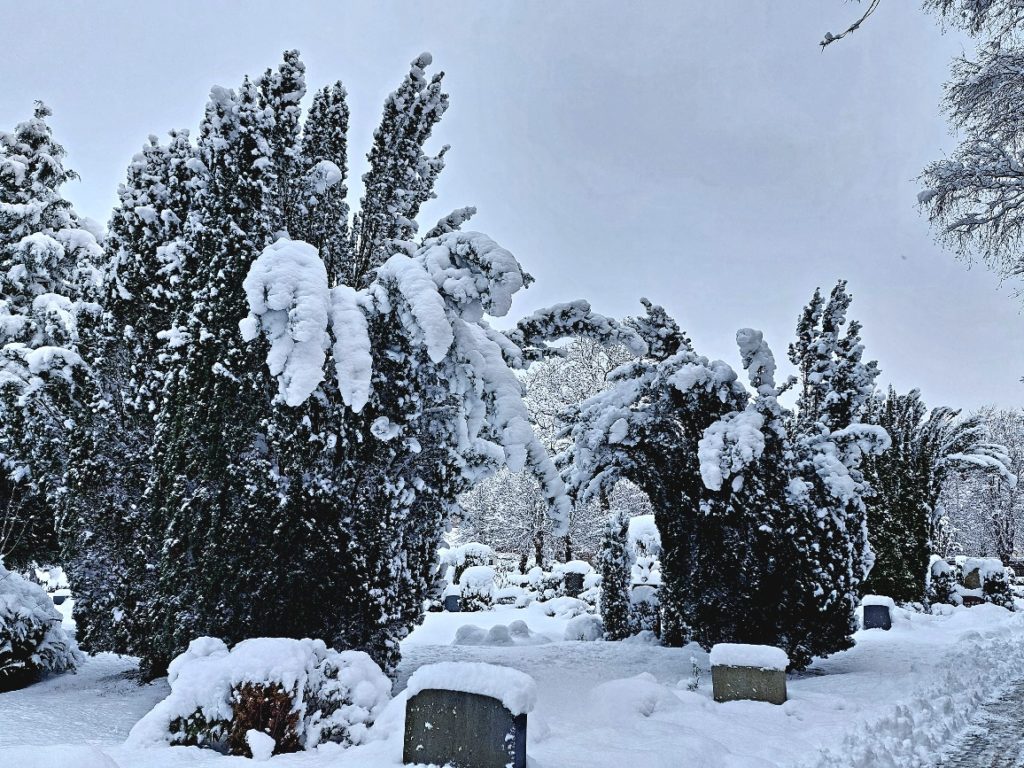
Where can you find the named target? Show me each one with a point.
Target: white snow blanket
(896, 699)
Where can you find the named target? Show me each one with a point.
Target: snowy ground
(899, 698)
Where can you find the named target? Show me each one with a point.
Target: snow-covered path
(996, 738)
(99, 704)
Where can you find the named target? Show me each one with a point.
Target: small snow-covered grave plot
(468, 715)
(754, 672)
(985, 580)
(296, 693)
(878, 612)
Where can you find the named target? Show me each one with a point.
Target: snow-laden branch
(435, 300)
(534, 334)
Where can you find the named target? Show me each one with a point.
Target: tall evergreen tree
(614, 565)
(48, 278)
(907, 482)
(401, 175)
(320, 212)
(216, 507)
(107, 544)
(830, 442)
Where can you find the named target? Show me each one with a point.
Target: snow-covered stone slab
(878, 611)
(468, 715)
(748, 672)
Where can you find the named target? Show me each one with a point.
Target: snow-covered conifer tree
(106, 541)
(227, 552)
(927, 446)
(401, 176)
(830, 443)
(646, 427)
(49, 261)
(614, 564)
(320, 212)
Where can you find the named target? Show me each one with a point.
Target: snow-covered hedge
(477, 588)
(995, 584)
(942, 583)
(464, 556)
(32, 641)
(299, 692)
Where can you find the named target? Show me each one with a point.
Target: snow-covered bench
(750, 672)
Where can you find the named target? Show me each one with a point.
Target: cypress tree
(216, 507)
(108, 545)
(908, 480)
(614, 565)
(49, 263)
(830, 443)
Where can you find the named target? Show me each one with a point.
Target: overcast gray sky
(706, 155)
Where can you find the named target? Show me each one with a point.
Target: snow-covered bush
(32, 641)
(300, 692)
(477, 588)
(645, 608)
(942, 583)
(466, 556)
(587, 627)
(995, 584)
(565, 607)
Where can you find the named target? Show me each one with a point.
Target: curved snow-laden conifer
(438, 297)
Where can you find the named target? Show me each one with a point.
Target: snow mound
(337, 695)
(643, 536)
(563, 607)
(516, 690)
(260, 744)
(581, 567)
(31, 638)
(57, 756)
(586, 628)
(516, 633)
(625, 699)
(742, 655)
(474, 552)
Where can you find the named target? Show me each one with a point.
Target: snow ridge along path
(920, 730)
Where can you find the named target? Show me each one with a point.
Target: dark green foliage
(614, 566)
(942, 583)
(830, 441)
(907, 482)
(996, 587)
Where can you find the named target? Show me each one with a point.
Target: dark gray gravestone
(877, 617)
(748, 684)
(573, 584)
(463, 730)
(451, 604)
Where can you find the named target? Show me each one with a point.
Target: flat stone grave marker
(748, 672)
(467, 715)
(877, 612)
(451, 604)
